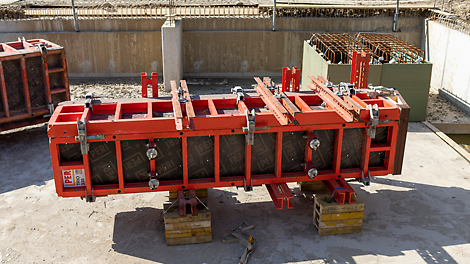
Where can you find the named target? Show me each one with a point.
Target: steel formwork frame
(389, 47)
(337, 47)
(21, 51)
(203, 116)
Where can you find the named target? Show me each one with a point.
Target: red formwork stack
(33, 80)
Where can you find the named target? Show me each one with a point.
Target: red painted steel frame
(62, 129)
(146, 82)
(288, 76)
(360, 69)
(21, 50)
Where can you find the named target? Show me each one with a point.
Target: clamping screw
(314, 144)
(312, 173)
(153, 183)
(151, 153)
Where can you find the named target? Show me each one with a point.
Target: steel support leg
(280, 192)
(184, 201)
(340, 190)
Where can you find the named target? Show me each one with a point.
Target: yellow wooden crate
(333, 218)
(188, 229)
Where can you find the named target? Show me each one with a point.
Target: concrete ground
(420, 216)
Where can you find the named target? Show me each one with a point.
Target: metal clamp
(40, 46)
(83, 138)
(374, 120)
(250, 127)
(89, 98)
(51, 110)
(181, 97)
(240, 92)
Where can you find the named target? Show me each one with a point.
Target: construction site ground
(420, 216)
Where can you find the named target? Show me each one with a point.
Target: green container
(411, 80)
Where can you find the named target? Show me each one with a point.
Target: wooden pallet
(333, 218)
(188, 229)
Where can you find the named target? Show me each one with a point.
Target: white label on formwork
(73, 178)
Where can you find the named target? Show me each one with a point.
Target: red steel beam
(176, 106)
(280, 192)
(273, 104)
(332, 100)
(340, 190)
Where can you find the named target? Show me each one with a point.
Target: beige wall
(211, 47)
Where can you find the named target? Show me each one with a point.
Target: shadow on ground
(400, 216)
(24, 158)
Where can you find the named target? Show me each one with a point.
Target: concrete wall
(103, 47)
(211, 46)
(448, 50)
(248, 47)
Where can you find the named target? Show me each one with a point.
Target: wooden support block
(339, 230)
(187, 225)
(189, 233)
(333, 218)
(200, 193)
(339, 223)
(188, 229)
(316, 187)
(188, 240)
(341, 216)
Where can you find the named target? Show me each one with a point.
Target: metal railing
(160, 11)
(233, 11)
(450, 21)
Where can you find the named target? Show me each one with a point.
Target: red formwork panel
(194, 142)
(33, 80)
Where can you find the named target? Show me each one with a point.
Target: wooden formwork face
(33, 77)
(203, 144)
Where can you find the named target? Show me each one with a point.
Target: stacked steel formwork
(33, 80)
(271, 137)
